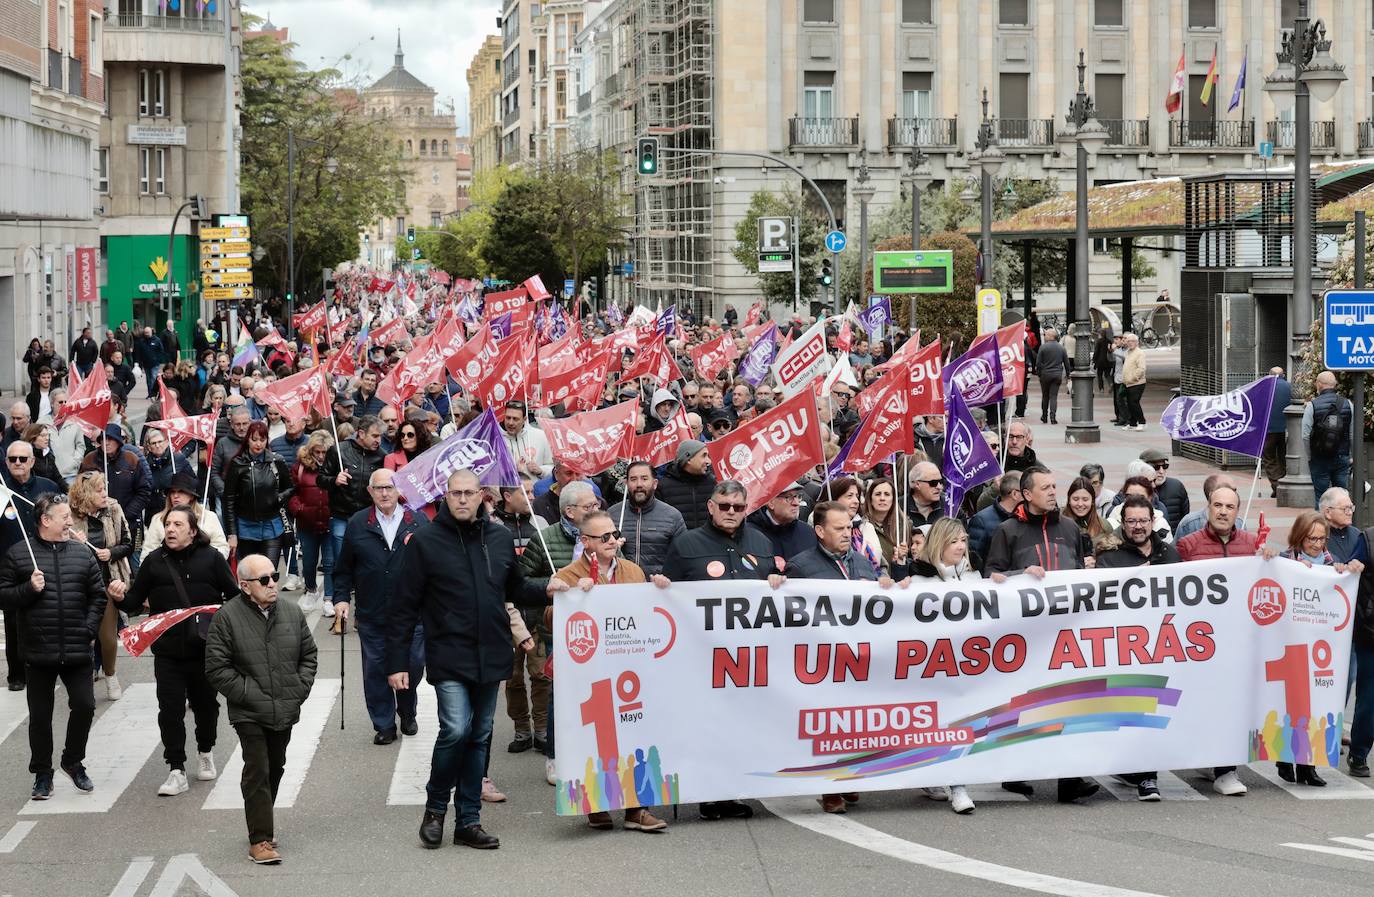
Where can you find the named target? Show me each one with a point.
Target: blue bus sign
(1348, 332)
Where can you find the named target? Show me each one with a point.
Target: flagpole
(525, 390)
(19, 518)
(1254, 480)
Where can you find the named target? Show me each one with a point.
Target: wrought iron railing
(824, 131)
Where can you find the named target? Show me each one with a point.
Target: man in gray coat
(261, 657)
(1052, 363)
(649, 524)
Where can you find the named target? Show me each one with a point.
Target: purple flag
(614, 316)
(501, 325)
(667, 321)
(753, 368)
(469, 309)
(835, 469)
(977, 373)
(968, 460)
(1235, 421)
(876, 315)
(478, 447)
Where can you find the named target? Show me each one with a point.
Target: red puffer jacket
(309, 504)
(1204, 545)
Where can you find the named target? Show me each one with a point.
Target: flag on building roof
(1174, 101)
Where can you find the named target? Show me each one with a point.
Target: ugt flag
(770, 452)
(754, 368)
(968, 460)
(478, 447)
(1235, 421)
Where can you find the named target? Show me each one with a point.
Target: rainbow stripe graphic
(1074, 707)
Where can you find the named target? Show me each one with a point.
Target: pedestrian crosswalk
(124, 742)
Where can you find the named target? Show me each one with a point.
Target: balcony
(139, 37)
(824, 132)
(511, 117)
(1204, 134)
(1366, 134)
(1131, 132)
(922, 132)
(1282, 134)
(1012, 132)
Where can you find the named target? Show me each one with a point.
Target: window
(445, 147)
(102, 169)
(144, 166)
(407, 110)
(916, 95)
(157, 101)
(434, 175)
(818, 98)
(422, 146)
(400, 225)
(560, 98)
(1101, 246)
(95, 62)
(1013, 96)
(1109, 94)
(916, 12)
(143, 92)
(1013, 12)
(1107, 14)
(1197, 111)
(1202, 13)
(160, 171)
(435, 219)
(410, 148)
(818, 10)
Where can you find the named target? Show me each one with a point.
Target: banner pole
(529, 502)
(19, 518)
(1253, 481)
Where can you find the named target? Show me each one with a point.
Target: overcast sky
(358, 37)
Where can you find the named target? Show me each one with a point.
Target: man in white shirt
(528, 445)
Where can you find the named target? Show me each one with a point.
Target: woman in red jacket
(412, 439)
(309, 506)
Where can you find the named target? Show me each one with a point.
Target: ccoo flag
(1236, 421)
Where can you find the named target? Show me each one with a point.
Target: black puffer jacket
(1035, 540)
(205, 576)
(708, 553)
(352, 497)
(456, 579)
(687, 493)
(1174, 496)
(255, 488)
(263, 665)
(648, 530)
(57, 624)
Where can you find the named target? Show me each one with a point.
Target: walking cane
(340, 626)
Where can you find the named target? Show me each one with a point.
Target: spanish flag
(1210, 81)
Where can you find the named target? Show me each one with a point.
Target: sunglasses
(1160, 465)
(409, 434)
(614, 535)
(18, 459)
(931, 482)
(264, 580)
(730, 507)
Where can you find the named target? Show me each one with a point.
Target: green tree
(583, 211)
(786, 203)
(331, 208)
(517, 244)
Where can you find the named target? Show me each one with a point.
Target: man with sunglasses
(1170, 491)
(260, 655)
(28, 487)
(924, 494)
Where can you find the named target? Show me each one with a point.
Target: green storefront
(138, 270)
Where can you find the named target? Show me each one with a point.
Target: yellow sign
(212, 248)
(224, 233)
(216, 277)
(159, 268)
(989, 310)
(227, 262)
(228, 293)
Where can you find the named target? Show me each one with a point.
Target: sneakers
(1229, 785)
(328, 610)
(642, 820)
(550, 775)
(475, 836)
(309, 599)
(832, 803)
(1147, 790)
(959, 801)
(205, 767)
(176, 784)
(1358, 768)
(113, 690)
(491, 794)
(291, 582)
(42, 786)
(77, 773)
(264, 854)
(523, 742)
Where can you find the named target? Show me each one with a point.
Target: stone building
(484, 105)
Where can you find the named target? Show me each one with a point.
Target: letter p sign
(775, 234)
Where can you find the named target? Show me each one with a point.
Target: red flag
(709, 359)
(181, 430)
(660, 446)
(753, 315)
(927, 389)
(496, 304)
(590, 442)
(345, 361)
(884, 430)
(296, 395)
(88, 403)
(1174, 100)
(336, 333)
(388, 333)
(560, 352)
(167, 404)
(1011, 349)
(845, 338)
(421, 366)
(769, 453)
(908, 349)
(274, 340)
(578, 384)
(476, 356)
(535, 287)
(137, 637)
(508, 377)
(312, 319)
(654, 359)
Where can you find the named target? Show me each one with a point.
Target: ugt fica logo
(1267, 601)
(581, 636)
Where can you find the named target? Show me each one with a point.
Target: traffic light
(827, 275)
(410, 234)
(648, 155)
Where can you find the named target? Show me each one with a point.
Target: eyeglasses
(1344, 509)
(275, 576)
(614, 535)
(792, 497)
(386, 488)
(1136, 523)
(730, 507)
(463, 494)
(409, 435)
(18, 459)
(1160, 465)
(931, 483)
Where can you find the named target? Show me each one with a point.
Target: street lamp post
(919, 174)
(863, 191)
(1305, 70)
(989, 158)
(331, 165)
(1089, 135)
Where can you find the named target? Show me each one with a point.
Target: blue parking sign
(1348, 332)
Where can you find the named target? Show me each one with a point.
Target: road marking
(1171, 787)
(1359, 848)
(184, 866)
(133, 877)
(411, 773)
(803, 812)
(14, 709)
(122, 740)
(1339, 786)
(305, 740)
(15, 835)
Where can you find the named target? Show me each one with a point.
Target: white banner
(725, 690)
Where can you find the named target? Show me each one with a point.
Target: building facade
(554, 94)
(425, 137)
(462, 173)
(170, 132)
(830, 84)
(484, 105)
(52, 90)
(519, 57)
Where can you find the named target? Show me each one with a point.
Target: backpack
(1328, 430)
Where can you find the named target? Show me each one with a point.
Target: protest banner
(770, 452)
(138, 637)
(1011, 351)
(800, 362)
(710, 358)
(88, 404)
(977, 373)
(725, 690)
(660, 446)
(296, 395)
(478, 447)
(753, 368)
(592, 441)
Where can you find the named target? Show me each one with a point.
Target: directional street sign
(835, 241)
(212, 247)
(775, 245)
(228, 293)
(1348, 338)
(239, 261)
(223, 233)
(1266, 150)
(224, 278)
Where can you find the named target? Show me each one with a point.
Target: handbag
(200, 622)
(288, 530)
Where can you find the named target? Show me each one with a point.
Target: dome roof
(398, 78)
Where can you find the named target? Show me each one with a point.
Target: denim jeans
(383, 703)
(337, 525)
(1328, 472)
(312, 548)
(460, 750)
(1362, 723)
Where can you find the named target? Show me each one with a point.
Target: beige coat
(1133, 371)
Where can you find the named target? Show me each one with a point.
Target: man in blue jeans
(1328, 429)
(456, 577)
(373, 544)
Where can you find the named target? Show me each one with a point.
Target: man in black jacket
(1168, 491)
(184, 572)
(345, 474)
(373, 545)
(780, 520)
(85, 352)
(20, 479)
(60, 595)
(456, 578)
(686, 483)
